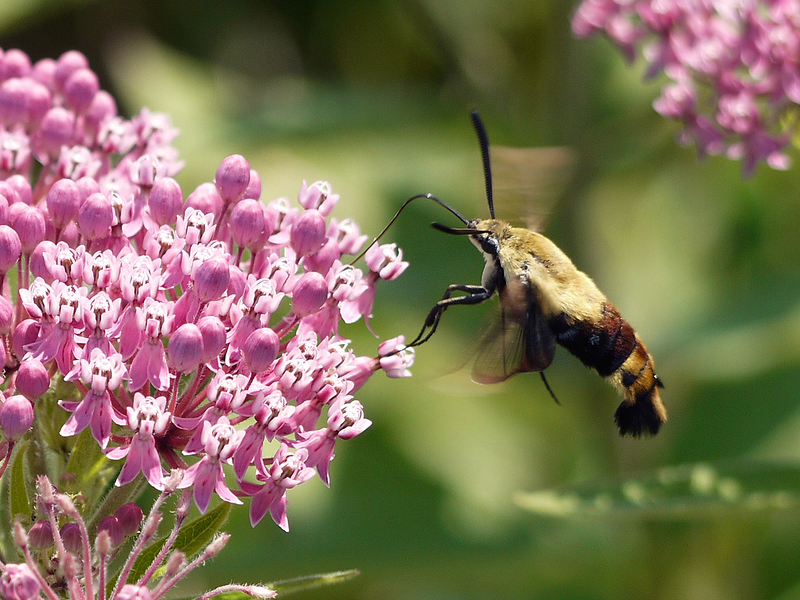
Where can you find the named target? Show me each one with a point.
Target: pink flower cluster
(200, 331)
(734, 68)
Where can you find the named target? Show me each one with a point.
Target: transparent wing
(518, 340)
(527, 182)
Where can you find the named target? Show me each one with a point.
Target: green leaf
(193, 537)
(20, 502)
(92, 470)
(688, 491)
(289, 586)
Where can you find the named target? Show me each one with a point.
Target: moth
(545, 300)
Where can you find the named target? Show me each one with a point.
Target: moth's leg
(475, 295)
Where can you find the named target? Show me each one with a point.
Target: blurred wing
(518, 341)
(527, 181)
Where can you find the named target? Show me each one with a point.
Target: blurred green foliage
(373, 95)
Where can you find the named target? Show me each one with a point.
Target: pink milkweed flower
(65, 307)
(102, 374)
(226, 393)
(154, 319)
(287, 471)
(100, 315)
(346, 420)
(64, 264)
(219, 442)
(18, 582)
(272, 415)
(147, 418)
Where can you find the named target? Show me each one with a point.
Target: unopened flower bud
(28, 221)
(40, 535)
(63, 201)
(25, 333)
(55, 130)
(16, 417)
(32, 380)
(308, 232)
(71, 536)
(95, 216)
(211, 279)
(6, 316)
(206, 199)
(10, 248)
(67, 64)
(80, 89)
(166, 201)
(130, 516)
(233, 177)
(247, 222)
(214, 337)
(254, 186)
(310, 293)
(175, 563)
(260, 349)
(112, 527)
(185, 348)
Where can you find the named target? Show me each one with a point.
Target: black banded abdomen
(611, 347)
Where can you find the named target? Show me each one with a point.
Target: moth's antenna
(487, 165)
(397, 214)
(547, 385)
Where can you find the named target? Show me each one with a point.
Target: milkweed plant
(732, 68)
(188, 344)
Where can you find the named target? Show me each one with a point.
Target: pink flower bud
(260, 349)
(18, 582)
(63, 201)
(55, 130)
(71, 535)
(12, 101)
(40, 535)
(206, 199)
(22, 186)
(211, 279)
(25, 333)
(80, 89)
(37, 102)
(308, 232)
(87, 186)
(214, 337)
(322, 260)
(112, 526)
(16, 417)
(28, 222)
(233, 177)
(166, 201)
(95, 216)
(16, 64)
(33, 380)
(67, 64)
(130, 516)
(6, 316)
(10, 248)
(253, 187)
(310, 293)
(247, 223)
(44, 72)
(102, 108)
(185, 348)
(37, 264)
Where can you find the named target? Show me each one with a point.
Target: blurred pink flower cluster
(198, 331)
(733, 66)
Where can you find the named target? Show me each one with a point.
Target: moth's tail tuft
(641, 414)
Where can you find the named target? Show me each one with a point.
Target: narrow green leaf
(92, 470)
(289, 586)
(20, 503)
(688, 491)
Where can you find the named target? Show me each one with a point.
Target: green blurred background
(374, 95)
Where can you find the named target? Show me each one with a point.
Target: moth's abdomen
(610, 346)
